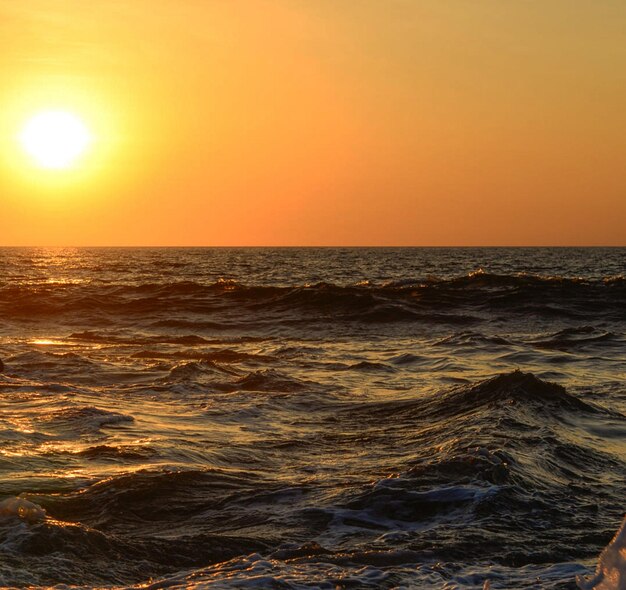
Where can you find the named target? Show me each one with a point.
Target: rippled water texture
(311, 418)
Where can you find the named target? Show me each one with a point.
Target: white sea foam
(28, 511)
(611, 571)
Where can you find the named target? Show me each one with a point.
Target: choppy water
(310, 418)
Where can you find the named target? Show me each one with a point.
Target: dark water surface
(310, 418)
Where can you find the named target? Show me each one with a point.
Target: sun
(55, 140)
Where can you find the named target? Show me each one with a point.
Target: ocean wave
(105, 337)
(49, 551)
(65, 361)
(491, 472)
(456, 300)
(265, 380)
(329, 418)
(509, 454)
(472, 339)
(505, 396)
(76, 419)
(139, 498)
(196, 370)
(224, 355)
(521, 388)
(112, 452)
(211, 376)
(366, 367)
(577, 338)
(366, 570)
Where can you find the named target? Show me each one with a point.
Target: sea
(297, 418)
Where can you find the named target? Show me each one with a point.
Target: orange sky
(322, 122)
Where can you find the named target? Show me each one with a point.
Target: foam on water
(611, 571)
(23, 509)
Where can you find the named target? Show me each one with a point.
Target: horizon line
(358, 246)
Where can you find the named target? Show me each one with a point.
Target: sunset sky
(318, 122)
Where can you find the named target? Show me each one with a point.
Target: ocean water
(312, 418)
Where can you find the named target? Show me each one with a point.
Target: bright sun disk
(55, 139)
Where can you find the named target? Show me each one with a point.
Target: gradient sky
(319, 122)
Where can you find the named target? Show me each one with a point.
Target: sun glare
(55, 139)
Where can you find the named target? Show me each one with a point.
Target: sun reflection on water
(46, 342)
